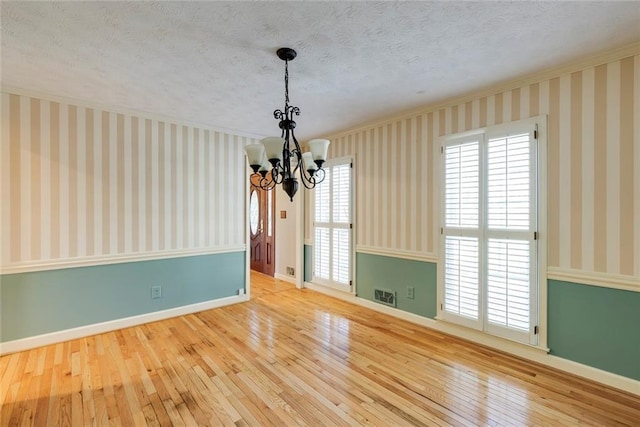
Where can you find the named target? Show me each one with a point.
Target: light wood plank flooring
(292, 357)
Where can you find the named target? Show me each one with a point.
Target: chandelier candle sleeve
(273, 147)
(282, 156)
(255, 154)
(319, 148)
(309, 165)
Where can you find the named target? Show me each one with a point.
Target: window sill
(483, 338)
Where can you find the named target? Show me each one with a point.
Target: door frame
(299, 203)
(265, 235)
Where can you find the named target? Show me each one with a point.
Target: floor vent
(385, 296)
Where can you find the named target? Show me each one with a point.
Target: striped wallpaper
(593, 168)
(81, 183)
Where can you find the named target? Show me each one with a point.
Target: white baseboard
(285, 278)
(112, 325)
(536, 354)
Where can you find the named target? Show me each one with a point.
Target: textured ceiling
(214, 63)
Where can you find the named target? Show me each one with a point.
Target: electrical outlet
(156, 292)
(410, 292)
(291, 271)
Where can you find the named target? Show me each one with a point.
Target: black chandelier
(276, 160)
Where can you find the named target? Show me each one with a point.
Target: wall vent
(385, 296)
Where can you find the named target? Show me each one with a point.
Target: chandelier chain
(286, 84)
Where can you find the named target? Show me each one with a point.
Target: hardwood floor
(293, 357)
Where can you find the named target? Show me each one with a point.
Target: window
(332, 227)
(489, 266)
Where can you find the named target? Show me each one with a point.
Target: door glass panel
(254, 212)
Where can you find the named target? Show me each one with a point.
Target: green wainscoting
(595, 326)
(376, 271)
(591, 325)
(48, 301)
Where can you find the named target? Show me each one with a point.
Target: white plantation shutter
(323, 199)
(462, 184)
(511, 223)
(332, 226)
(341, 256)
(461, 240)
(508, 281)
(322, 253)
(508, 182)
(322, 241)
(489, 210)
(462, 275)
(341, 194)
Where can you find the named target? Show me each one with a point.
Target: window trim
(352, 211)
(541, 270)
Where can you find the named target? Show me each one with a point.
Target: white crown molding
(604, 280)
(536, 77)
(395, 253)
(112, 325)
(123, 110)
(28, 267)
(533, 353)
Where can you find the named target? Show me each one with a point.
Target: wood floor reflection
(293, 357)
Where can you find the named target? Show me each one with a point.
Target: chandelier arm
(297, 152)
(308, 181)
(298, 162)
(287, 140)
(296, 143)
(254, 179)
(294, 110)
(286, 153)
(319, 178)
(264, 183)
(277, 174)
(267, 184)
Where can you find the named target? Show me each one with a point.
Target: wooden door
(262, 229)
